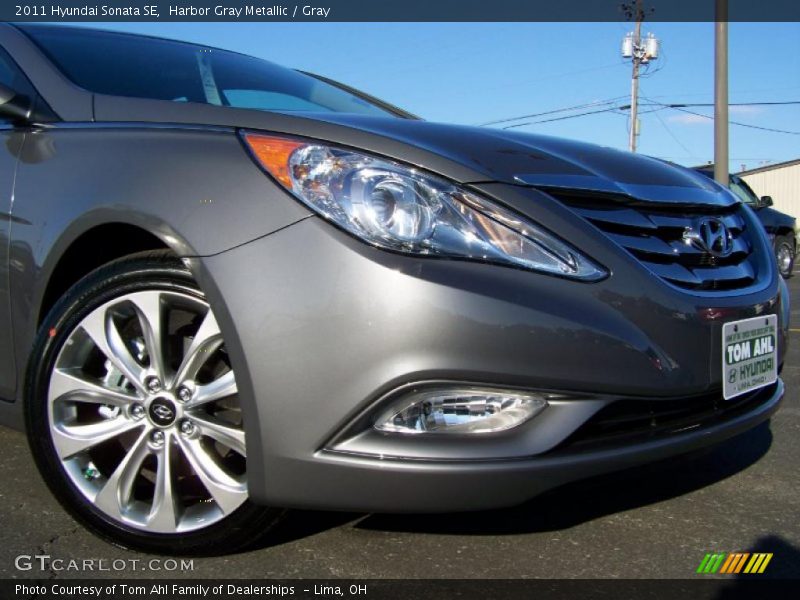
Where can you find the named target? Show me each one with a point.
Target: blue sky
(472, 73)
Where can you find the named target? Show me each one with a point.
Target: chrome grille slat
(654, 235)
(622, 216)
(675, 273)
(646, 244)
(733, 221)
(741, 249)
(742, 271)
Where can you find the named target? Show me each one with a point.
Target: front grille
(654, 235)
(633, 421)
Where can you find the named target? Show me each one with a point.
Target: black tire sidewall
(109, 282)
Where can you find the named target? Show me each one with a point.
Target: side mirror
(766, 201)
(14, 107)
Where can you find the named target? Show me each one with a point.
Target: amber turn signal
(273, 154)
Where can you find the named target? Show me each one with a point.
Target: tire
(134, 421)
(785, 254)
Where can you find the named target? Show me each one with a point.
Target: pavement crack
(41, 550)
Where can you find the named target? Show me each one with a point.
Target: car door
(10, 142)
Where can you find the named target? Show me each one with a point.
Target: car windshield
(737, 185)
(120, 64)
(743, 191)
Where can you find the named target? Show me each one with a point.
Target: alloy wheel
(144, 414)
(784, 255)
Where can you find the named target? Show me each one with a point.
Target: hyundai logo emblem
(162, 412)
(710, 235)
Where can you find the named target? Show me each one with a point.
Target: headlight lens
(399, 208)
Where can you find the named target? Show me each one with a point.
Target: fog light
(461, 410)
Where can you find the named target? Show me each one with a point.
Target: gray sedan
(228, 288)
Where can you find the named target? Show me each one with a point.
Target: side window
(12, 77)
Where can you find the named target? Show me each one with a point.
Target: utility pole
(721, 93)
(637, 41)
(640, 52)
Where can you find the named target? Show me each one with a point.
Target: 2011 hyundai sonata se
(229, 286)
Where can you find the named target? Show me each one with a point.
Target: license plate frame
(749, 355)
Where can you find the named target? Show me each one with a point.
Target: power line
(554, 111)
(740, 124)
(669, 131)
(700, 104)
(740, 91)
(583, 114)
(650, 102)
(706, 158)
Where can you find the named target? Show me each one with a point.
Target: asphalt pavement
(653, 522)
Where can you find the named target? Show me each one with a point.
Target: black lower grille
(633, 421)
(657, 236)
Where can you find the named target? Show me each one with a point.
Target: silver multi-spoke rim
(144, 413)
(784, 255)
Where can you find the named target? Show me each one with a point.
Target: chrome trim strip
(136, 125)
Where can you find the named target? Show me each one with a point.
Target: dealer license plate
(749, 355)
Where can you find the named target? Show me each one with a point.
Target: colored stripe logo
(734, 563)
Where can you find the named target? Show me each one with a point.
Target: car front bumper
(357, 483)
(322, 329)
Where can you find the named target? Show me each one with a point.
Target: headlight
(400, 208)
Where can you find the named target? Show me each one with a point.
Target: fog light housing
(461, 410)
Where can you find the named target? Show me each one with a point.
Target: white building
(781, 181)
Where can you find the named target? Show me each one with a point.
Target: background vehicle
(782, 228)
(233, 286)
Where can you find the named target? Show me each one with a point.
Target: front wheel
(133, 414)
(784, 254)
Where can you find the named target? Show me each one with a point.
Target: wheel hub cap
(163, 412)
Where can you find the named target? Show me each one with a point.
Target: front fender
(194, 188)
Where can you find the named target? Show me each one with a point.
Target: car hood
(548, 162)
(775, 218)
(462, 153)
